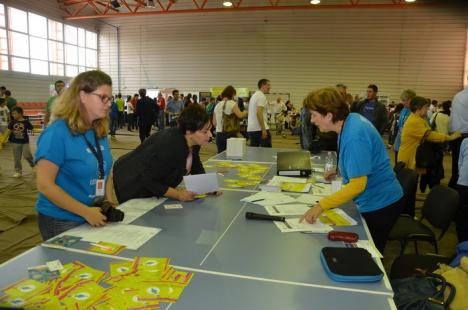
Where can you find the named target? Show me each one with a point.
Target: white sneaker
(17, 175)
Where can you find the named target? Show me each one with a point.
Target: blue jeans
(256, 139)
(50, 227)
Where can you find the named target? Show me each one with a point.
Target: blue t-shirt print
(368, 111)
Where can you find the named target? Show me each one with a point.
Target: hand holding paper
(201, 183)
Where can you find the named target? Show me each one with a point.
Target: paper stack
(236, 148)
(139, 284)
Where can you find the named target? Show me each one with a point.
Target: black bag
(231, 123)
(350, 265)
(425, 157)
(425, 292)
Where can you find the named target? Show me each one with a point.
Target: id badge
(336, 185)
(100, 188)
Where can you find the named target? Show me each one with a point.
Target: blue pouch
(350, 265)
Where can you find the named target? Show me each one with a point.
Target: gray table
(213, 291)
(255, 154)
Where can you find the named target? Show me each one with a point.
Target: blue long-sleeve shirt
(463, 164)
(405, 112)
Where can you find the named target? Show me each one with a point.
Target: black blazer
(154, 166)
(146, 108)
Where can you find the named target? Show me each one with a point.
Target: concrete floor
(18, 219)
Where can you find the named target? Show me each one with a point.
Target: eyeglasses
(104, 99)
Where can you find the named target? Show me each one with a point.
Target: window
(39, 67)
(3, 42)
(19, 44)
(4, 62)
(2, 16)
(71, 71)
(20, 64)
(71, 35)
(18, 20)
(35, 44)
(55, 30)
(55, 51)
(91, 40)
(71, 54)
(56, 69)
(38, 48)
(91, 58)
(37, 25)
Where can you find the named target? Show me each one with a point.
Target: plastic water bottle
(329, 162)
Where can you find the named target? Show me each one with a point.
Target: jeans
(50, 227)
(21, 150)
(161, 119)
(145, 130)
(114, 123)
(256, 139)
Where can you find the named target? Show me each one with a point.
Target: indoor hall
(299, 49)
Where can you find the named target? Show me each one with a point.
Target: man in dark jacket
(372, 109)
(146, 108)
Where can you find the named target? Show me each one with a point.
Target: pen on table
(257, 200)
(220, 174)
(102, 246)
(319, 186)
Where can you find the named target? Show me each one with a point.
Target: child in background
(19, 139)
(4, 116)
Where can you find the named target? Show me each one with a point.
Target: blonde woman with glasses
(73, 156)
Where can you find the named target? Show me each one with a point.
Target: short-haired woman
(73, 158)
(415, 128)
(156, 167)
(363, 164)
(227, 106)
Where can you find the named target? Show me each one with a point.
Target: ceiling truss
(88, 9)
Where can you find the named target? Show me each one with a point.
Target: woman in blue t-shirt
(73, 156)
(363, 165)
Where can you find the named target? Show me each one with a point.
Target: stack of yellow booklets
(138, 284)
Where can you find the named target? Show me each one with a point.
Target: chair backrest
(440, 207)
(408, 180)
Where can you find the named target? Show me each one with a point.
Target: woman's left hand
(312, 214)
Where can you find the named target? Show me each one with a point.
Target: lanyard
(98, 154)
(338, 147)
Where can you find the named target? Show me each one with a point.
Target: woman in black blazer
(157, 166)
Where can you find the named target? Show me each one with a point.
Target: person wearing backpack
(226, 118)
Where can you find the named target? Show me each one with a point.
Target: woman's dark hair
(229, 92)
(446, 105)
(192, 118)
(417, 103)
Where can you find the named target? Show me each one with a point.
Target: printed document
(201, 183)
(292, 225)
(290, 209)
(135, 208)
(132, 236)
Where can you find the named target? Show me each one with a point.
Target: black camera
(112, 214)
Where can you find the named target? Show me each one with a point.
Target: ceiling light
(115, 4)
(150, 4)
(410, 1)
(227, 4)
(314, 1)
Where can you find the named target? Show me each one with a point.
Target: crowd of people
(75, 168)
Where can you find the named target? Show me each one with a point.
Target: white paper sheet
(132, 236)
(290, 209)
(321, 189)
(276, 180)
(201, 183)
(292, 225)
(135, 208)
(308, 199)
(268, 198)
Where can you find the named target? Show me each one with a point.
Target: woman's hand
(94, 217)
(184, 195)
(312, 214)
(455, 135)
(330, 175)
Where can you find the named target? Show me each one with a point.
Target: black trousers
(144, 130)
(380, 223)
(455, 145)
(461, 218)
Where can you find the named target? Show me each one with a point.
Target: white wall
(32, 87)
(298, 51)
